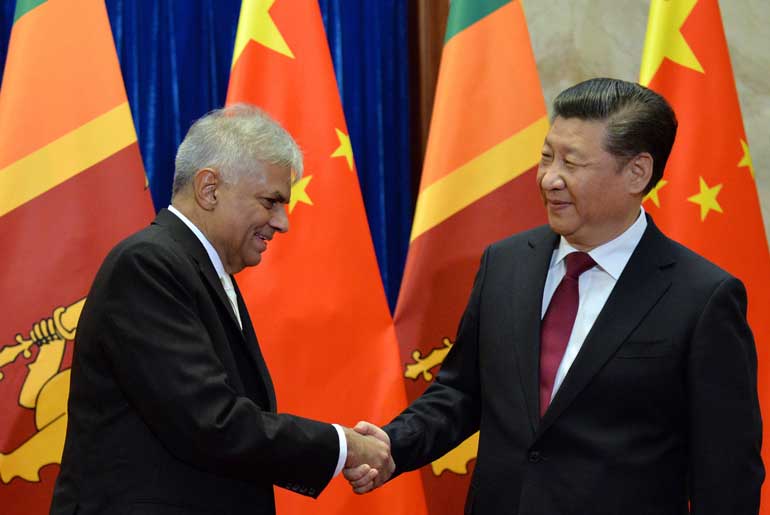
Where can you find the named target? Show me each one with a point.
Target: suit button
(535, 457)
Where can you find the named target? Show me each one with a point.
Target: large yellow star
(256, 24)
(298, 193)
(653, 194)
(707, 199)
(664, 38)
(345, 149)
(746, 159)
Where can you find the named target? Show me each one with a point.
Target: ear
(639, 170)
(206, 182)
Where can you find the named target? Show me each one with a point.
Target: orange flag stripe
(46, 93)
(60, 160)
(467, 77)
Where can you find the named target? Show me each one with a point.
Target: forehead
(576, 135)
(269, 178)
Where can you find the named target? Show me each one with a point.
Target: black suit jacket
(171, 407)
(659, 408)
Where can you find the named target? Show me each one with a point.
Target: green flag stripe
(25, 6)
(463, 13)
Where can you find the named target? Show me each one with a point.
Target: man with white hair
(171, 408)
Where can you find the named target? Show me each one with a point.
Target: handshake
(369, 463)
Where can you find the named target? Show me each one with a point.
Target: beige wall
(577, 39)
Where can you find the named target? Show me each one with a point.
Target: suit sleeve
(164, 361)
(449, 410)
(726, 470)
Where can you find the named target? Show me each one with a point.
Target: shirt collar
(210, 250)
(613, 255)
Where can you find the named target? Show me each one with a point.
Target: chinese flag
(708, 198)
(478, 186)
(317, 300)
(71, 186)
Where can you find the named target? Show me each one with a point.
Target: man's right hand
(369, 462)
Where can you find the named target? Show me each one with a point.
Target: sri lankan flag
(71, 186)
(708, 199)
(317, 299)
(478, 185)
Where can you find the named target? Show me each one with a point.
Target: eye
(546, 157)
(268, 203)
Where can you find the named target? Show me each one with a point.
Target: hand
(364, 475)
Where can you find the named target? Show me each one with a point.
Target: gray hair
(230, 140)
(638, 119)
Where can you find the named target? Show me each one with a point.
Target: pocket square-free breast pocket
(637, 349)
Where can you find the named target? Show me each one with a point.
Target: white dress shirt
(594, 286)
(227, 284)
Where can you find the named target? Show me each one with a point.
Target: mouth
(557, 205)
(263, 239)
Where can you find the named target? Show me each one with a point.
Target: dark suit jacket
(659, 408)
(171, 407)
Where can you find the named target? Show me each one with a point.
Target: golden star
(345, 149)
(664, 38)
(653, 194)
(255, 23)
(746, 159)
(707, 199)
(298, 193)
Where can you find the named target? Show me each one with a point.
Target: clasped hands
(369, 463)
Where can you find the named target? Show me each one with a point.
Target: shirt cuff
(343, 450)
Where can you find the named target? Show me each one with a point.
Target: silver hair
(230, 140)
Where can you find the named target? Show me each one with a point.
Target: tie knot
(577, 263)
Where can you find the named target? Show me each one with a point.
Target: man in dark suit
(171, 407)
(610, 370)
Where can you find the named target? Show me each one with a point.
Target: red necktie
(557, 323)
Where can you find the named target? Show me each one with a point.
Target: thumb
(365, 428)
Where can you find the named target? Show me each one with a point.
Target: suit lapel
(185, 237)
(640, 286)
(252, 347)
(526, 299)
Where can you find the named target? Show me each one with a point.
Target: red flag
(708, 199)
(317, 299)
(478, 186)
(71, 185)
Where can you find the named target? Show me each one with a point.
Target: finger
(370, 477)
(356, 473)
(364, 489)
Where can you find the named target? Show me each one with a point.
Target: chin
(559, 227)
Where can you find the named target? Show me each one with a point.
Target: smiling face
(248, 211)
(590, 196)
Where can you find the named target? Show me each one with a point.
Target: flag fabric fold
(478, 186)
(317, 300)
(707, 199)
(72, 185)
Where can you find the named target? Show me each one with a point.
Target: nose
(549, 177)
(280, 220)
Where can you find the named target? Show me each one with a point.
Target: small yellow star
(298, 193)
(345, 149)
(653, 194)
(746, 159)
(255, 23)
(707, 199)
(665, 39)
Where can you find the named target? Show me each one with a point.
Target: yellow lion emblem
(457, 459)
(45, 390)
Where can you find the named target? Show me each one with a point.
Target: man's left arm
(725, 424)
